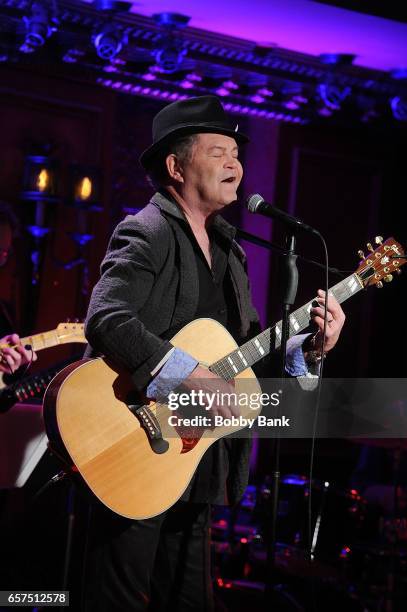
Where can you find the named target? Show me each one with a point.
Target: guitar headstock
(381, 263)
(70, 332)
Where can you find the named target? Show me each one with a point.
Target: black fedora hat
(190, 116)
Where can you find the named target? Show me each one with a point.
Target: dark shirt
(216, 294)
(216, 301)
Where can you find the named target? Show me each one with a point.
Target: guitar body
(90, 425)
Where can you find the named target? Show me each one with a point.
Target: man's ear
(174, 169)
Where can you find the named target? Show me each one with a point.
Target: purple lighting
(257, 99)
(38, 231)
(72, 56)
(264, 91)
(230, 85)
(222, 91)
(238, 109)
(81, 238)
(295, 479)
(399, 108)
(325, 112)
(307, 27)
(399, 73)
(300, 99)
(292, 105)
(194, 77)
(186, 84)
(332, 96)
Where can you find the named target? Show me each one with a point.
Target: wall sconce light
(84, 188)
(83, 191)
(84, 196)
(40, 179)
(40, 187)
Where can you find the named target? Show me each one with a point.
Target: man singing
(174, 262)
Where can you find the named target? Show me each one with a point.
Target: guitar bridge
(151, 426)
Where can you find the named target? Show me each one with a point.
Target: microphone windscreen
(253, 202)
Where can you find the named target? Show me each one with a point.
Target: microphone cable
(311, 543)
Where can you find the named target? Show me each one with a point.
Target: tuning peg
(379, 284)
(397, 271)
(361, 254)
(379, 240)
(388, 278)
(370, 247)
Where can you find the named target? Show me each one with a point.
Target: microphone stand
(289, 279)
(243, 235)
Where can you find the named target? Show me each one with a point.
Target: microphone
(256, 204)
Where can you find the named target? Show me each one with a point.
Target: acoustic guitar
(129, 455)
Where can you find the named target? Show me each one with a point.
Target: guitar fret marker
(232, 364)
(294, 323)
(242, 358)
(259, 346)
(352, 284)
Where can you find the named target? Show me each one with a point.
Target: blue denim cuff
(176, 369)
(295, 362)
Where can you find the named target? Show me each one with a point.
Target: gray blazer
(149, 284)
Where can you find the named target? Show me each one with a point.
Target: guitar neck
(38, 342)
(270, 339)
(48, 339)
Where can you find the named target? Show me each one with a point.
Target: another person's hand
(15, 355)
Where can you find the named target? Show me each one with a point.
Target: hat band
(197, 124)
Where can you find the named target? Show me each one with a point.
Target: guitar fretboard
(38, 341)
(270, 339)
(52, 338)
(41, 341)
